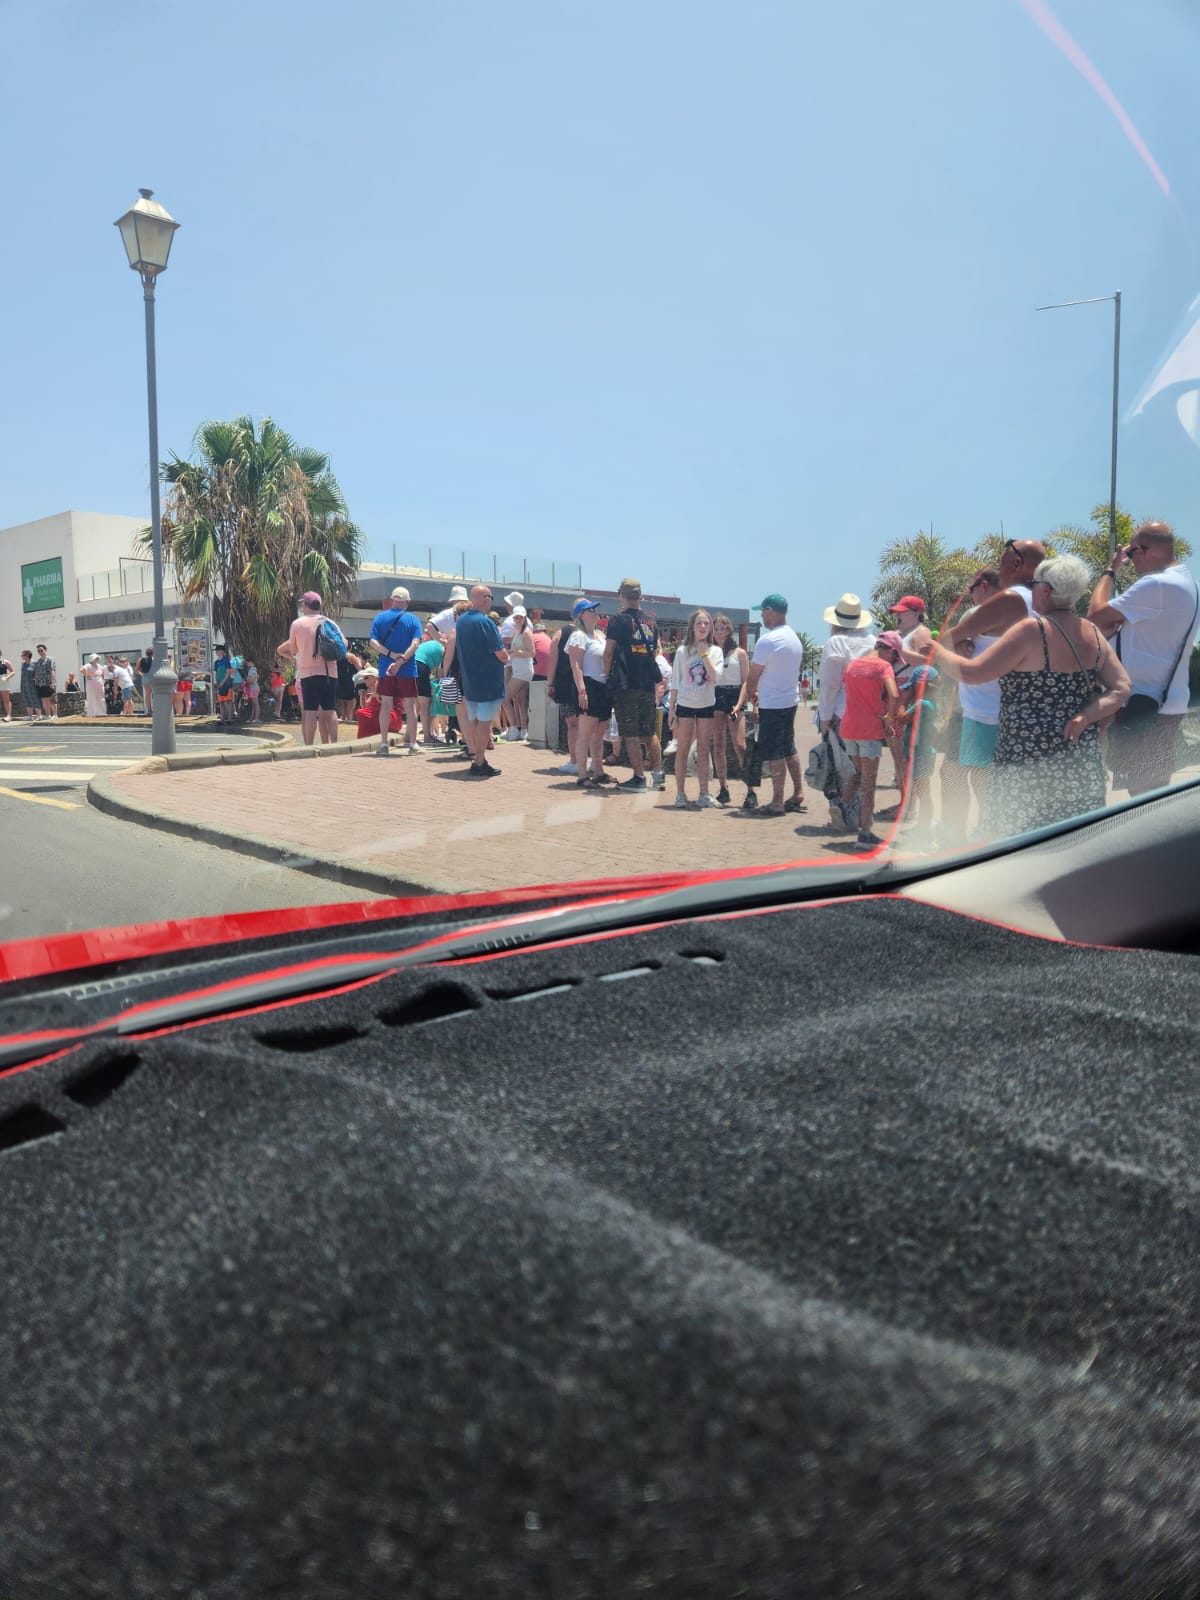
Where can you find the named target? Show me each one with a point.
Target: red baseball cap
(908, 602)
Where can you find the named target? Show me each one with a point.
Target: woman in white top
(585, 651)
(516, 697)
(93, 689)
(731, 698)
(694, 675)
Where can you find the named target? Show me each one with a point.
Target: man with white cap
(395, 635)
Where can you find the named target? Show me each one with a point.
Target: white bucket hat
(458, 593)
(516, 598)
(848, 613)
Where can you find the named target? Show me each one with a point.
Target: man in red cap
(909, 612)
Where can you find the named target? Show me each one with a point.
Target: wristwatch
(1109, 573)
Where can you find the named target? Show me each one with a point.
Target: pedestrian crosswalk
(67, 769)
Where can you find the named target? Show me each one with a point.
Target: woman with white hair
(93, 689)
(1059, 679)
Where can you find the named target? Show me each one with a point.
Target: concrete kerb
(357, 874)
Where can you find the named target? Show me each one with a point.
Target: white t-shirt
(1159, 611)
(593, 653)
(840, 650)
(780, 654)
(445, 620)
(123, 677)
(689, 681)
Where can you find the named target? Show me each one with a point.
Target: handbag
(1137, 716)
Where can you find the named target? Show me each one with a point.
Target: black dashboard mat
(845, 1250)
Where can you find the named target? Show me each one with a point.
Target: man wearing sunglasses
(1019, 560)
(1155, 623)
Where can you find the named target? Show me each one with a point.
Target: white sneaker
(524, 735)
(569, 768)
(671, 748)
(513, 736)
(681, 802)
(707, 803)
(657, 779)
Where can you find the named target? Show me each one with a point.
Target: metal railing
(453, 563)
(132, 576)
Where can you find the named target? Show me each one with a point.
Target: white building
(72, 583)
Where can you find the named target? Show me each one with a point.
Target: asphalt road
(67, 867)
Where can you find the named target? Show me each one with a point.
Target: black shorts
(424, 682)
(727, 694)
(599, 700)
(318, 694)
(635, 710)
(776, 733)
(701, 713)
(46, 694)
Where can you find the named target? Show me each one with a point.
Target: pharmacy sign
(42, 585)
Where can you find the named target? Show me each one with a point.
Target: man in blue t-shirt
(395, 635)
(476, 656)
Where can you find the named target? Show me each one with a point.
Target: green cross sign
(42, 585)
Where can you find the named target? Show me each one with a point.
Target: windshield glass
(621, 442)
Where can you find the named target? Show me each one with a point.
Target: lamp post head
(146, 232)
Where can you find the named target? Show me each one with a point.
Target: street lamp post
(146, 232)
(1102, 299)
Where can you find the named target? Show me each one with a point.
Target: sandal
(794, 804)
(771, 811)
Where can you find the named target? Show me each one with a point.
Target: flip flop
(794, 805)
(770, 811)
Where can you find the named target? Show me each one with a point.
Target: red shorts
(399, 688)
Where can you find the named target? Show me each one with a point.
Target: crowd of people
(1034, 700)
(1040, 707)
(1030, 704)
(463, 677)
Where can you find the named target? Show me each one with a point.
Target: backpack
(328, 643)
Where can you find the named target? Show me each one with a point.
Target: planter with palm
(252, 522)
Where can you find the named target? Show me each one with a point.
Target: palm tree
(810, 652)
(250, 524)
(923, 565)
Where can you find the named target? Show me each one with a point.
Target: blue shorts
(978, 744)
(483, 710)
(865, 749)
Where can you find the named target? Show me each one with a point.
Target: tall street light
(146, 232)
(1097, 300)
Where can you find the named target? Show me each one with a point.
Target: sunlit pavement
(422, 819)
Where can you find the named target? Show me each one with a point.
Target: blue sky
(725, 295)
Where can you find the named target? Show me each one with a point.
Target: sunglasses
(978, 584)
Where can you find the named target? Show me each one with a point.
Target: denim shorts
(483, 710)
(865, 749)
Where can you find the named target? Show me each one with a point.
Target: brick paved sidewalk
(424, 820)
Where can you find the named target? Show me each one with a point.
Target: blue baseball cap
(581, 606)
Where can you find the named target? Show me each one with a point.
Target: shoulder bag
(1137, 715)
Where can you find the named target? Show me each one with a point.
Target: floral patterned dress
(1037, 777)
